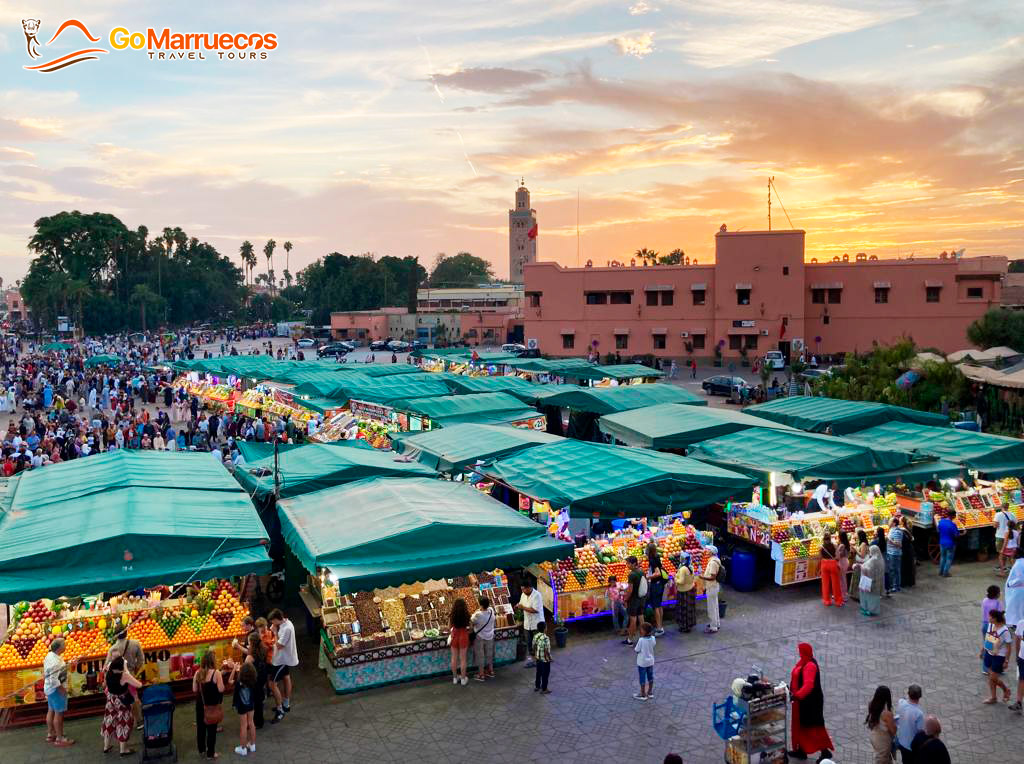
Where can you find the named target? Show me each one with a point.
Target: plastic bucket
(561, 635)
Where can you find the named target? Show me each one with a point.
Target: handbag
(865, 583)
(213, 714)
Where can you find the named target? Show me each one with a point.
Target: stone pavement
(929, 635)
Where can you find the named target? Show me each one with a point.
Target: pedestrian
(808, 703)
(686, 599)
(532, 607)
(482, 639)
(908, 564)
(458, 640)
(208, 686)
(881, 725)
(673, 370)
(910, 722)
(990, 603)
(948, 534)
(542, 657)
(710, 576)
(635, 596)
(1014, 589)
(998, 643)
(872, 576)
(1018, 645)
(830, 588)
(1009, 548)
(618, 607)
(656, 579)
(256, 654)
(55, 687)
(860, 556)
(843, 562)
(244, 703)
(135, 659)
(693, 368)
(1004, 519)
(284, 659)
(117, 713)
(894, 556)
(927, 746)
(645, 662)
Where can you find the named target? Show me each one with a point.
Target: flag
(782, 330)
(532, 233)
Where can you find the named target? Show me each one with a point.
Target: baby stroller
(158, 723)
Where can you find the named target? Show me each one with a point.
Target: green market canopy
(560, 367)
(381, 390)
(535, 394)
(619, 372)
(104, 360)
(316, 466)
(452, 449)
(994, 455)
(384, 532)
(608, 400)
(478, 408)
(65, 530)
(815, 414)
(461, 384)
(598, 480)
(668, 425)
(50, 347)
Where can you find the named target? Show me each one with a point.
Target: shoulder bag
(472, 634)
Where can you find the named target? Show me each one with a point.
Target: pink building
(760, 295)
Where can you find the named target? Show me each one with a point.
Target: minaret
(522, 234)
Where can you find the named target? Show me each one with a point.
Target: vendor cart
(754, 728)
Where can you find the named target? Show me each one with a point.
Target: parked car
(418, 345)
(306, 342)
(513, 347)
(812, 374)
(723, 384)
(774, 359)
(334, 350)
(378, 345)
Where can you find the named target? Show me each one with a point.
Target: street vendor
(822, 499)
(562, 521)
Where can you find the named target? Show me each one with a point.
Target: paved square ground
(929, 635)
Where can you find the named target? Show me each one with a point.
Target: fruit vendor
(822, 500)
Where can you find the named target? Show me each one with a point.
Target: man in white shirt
(532, 605)
(1003, 519)
(911, 721)
(821, 499)
(285, 658)
(55, 681)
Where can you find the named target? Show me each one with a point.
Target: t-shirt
(948, 532)
(1003, 640)
(483, 624)
(634, 582)
(711, 571)
(930, 749)
(987, 606)
(286, 653)
(1012, 539)
(911, 722)
(895, 545)
(1003, 518)
(644, 651)
(53, 667)
(532, 600)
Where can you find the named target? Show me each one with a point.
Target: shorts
(57, 701)
(277, 673)
(646, 674)
(655, 592)
(460, 638)
(636, 608)
(1020, 669)
(996, 664)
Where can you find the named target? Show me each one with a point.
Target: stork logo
(31, 29)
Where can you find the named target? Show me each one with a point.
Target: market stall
(838, 417)
(459, 447)
(667, 426)
(387, 558)
(620, 374)
(482, 408)
(270, 400)
(462, 385)
(114, 541)
(611, 400)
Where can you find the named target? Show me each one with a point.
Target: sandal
(51, 738)
(990, 701)
(108, 749)
(65, 743)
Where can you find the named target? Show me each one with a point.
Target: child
(990, 603)
(999, 644)
(618, 606)
(244, 702)
(1009, 549)
(645, 662)
(542, 657)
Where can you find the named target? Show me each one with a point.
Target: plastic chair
(727, 718)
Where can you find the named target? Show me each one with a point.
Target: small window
(975, 293)
(785, 270)
(835, 296)
(621, 341)
(881, 295)
(534, 299)
(743, 297)
(597, 298)
(621, 298)
(698, 296)
(826, 320)
(698, 341)
(818, 296)
(667, 298)
(652, 298)
(932, 294)
(659, 341)
(735, 341)
(568, 341)
(751, 343)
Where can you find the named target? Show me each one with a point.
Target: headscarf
(713, 549)
(806, 652)
(874, 566)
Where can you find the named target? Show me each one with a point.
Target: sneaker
(650, 696)
(278, 716)
(659, 632)
(536, 689)
(1015, 707)
(465, 680)
(287, 706)
(455, 680)
(252, 748)
(241, 751)
(480, 678)
(638, 696)
(545, 692)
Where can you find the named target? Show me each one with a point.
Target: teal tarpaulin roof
(445, 406)
(616, 371)
(385, 532)
(51, 346)
(316, 466)
(995, 455)
(668, 425)
(594, 479)
(453, 448)
(64, 529)
(815, 414)
(381, 390)
(535, 394)
(556, 366)
(462, 384)
(607, 400)
(104, 360)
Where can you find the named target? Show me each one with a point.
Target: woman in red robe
(808, 733)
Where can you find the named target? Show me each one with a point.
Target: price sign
(800, 570)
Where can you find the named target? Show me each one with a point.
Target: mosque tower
(522, 234)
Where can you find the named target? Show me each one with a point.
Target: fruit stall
(382, 602)
(139, 526)
(576, 588)
(268, 400)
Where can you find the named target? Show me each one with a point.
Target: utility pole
(577, 226)
(770, 179)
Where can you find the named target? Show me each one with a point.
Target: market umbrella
(50, 347)
(104, 360)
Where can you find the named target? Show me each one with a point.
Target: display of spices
(394, 614)
(412, 603)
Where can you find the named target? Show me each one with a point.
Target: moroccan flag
(532, 233)
(782, 330)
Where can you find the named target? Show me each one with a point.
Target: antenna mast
(770, 179)
(577, 226)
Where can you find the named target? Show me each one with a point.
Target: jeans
(618, 616)
(646, 675)
(946, 559)
(543, 672)
(893, 566)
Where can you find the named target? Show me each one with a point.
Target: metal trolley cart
(754, 728)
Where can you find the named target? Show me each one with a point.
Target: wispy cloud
(636, 45)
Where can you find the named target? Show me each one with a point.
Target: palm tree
(287, 252)
(142, 296)
(647, 255)
(268, 251)
(246, 253)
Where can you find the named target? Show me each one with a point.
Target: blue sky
(402, 128)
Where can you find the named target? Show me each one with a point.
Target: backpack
(641, 590)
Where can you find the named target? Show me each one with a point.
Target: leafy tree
(1016, 266)
(461, 270)
(998, 327)
(145, 297)
(675, 257)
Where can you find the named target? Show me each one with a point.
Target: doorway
(785, 350)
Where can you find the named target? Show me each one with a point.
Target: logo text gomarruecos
(167, 44)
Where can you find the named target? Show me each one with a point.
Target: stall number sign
(756, 532)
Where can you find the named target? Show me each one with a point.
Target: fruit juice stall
(216, 392)
(388, 557)
(141, 548)
(272, 401)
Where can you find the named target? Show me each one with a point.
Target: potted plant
(561, 633)
(718, 353)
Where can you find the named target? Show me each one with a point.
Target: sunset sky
(891, 126)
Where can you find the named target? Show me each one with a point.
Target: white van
(774, 359)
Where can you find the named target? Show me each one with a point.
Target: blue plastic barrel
(744, 571)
